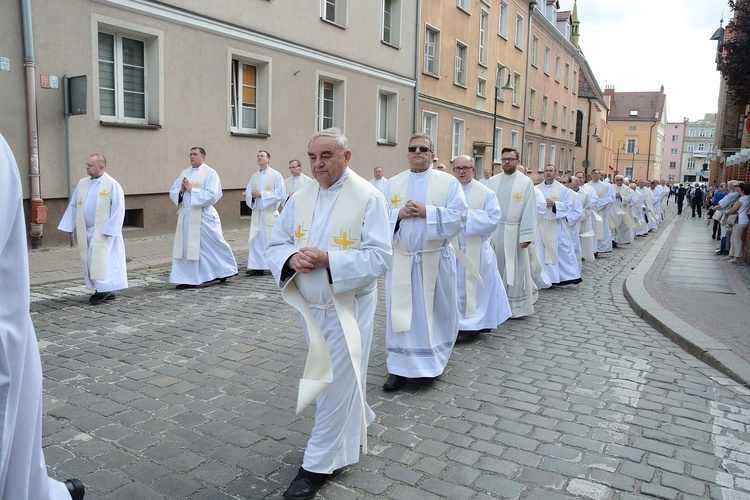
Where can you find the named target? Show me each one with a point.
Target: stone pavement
(191, 394)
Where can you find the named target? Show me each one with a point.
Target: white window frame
(691, 132)
(631, 145)
(387, 112)
(702, 133)
(516, 89)
(629, 172)
(431, 51)
(481, 86)
(690, 147)
(497, 153)
(514, 139)
(672, 165)
(547, 59)
(558, 65)
(564, 118)
(391, 23)
(484, 27)
(262, 92)
(430, 126)
(460, 67)
(701, 147)
(535, 51)
(545, 105)
(464, 5)
(542, 157)
(532, 104)
(673, 151)
(552, 155)
(502, 23)
(518, 39)
(153, 84)
(555, 108)
(334, 12)
(675, 138)
(691, 164)
(338, 97)
(529, 156)
(458, 137)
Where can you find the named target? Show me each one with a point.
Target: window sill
(249, 134)
(391, 45)
(387, 143)
(147, 126)
(433, 75)
(334, 23)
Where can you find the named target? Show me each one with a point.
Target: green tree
(735, 63)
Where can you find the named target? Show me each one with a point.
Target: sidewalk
(681, 287)
(690, 295)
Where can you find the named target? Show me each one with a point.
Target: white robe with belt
(336, 435)
(492, 307)
(410, 353)
(565, 268)
(23, 470)
(216, 257)
(116, 269)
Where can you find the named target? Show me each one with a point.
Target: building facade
(673, 147)
(698, 148)
(233, 78)
(638, 121)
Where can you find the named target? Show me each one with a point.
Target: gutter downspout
(38, 212)
(417, 54)
(588, 139)
(532, 8)
(648, 161)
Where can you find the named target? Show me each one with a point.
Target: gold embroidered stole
(194, 224)
(269, 213)
(476, 200)
(438, 187)
(98, 268)
(548, 227)
(512, 222)
(345, 234)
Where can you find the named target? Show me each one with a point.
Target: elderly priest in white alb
(328, 248)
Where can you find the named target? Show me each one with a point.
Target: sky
(640, 45)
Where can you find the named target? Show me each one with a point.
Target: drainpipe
(417, 58)
(648, 162)
(38, 213)
(524, 118)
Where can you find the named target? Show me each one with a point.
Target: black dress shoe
(394, 382)
(304, 488)
(76, 489)
(184, 286)
(111, 296)
(255, 272)
(100, 297)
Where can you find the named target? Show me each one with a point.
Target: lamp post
(586, 163)
(620, 146)
(637, 151)
(508, 87)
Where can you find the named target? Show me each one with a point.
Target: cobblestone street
(191, 394)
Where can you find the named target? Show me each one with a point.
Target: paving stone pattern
(191, 394)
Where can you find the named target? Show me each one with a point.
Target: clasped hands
(412, 209)
(185, 185)
(308, 259)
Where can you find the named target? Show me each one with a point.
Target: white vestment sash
(194, 224)
(401, 289)
(269, 213)
(98, 268)
(476, 200)
(345, 233)
(548, 227)
(511, 224)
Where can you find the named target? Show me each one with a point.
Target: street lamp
(586, 163)
(620, 147)
(508, 87)
(637, 151)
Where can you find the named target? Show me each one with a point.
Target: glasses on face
(461, 169)
(291, 167)
(506, 160)
(421, 149)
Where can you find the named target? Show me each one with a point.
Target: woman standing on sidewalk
(715, 199)
(740, 208)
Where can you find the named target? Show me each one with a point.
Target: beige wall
(193, 93)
